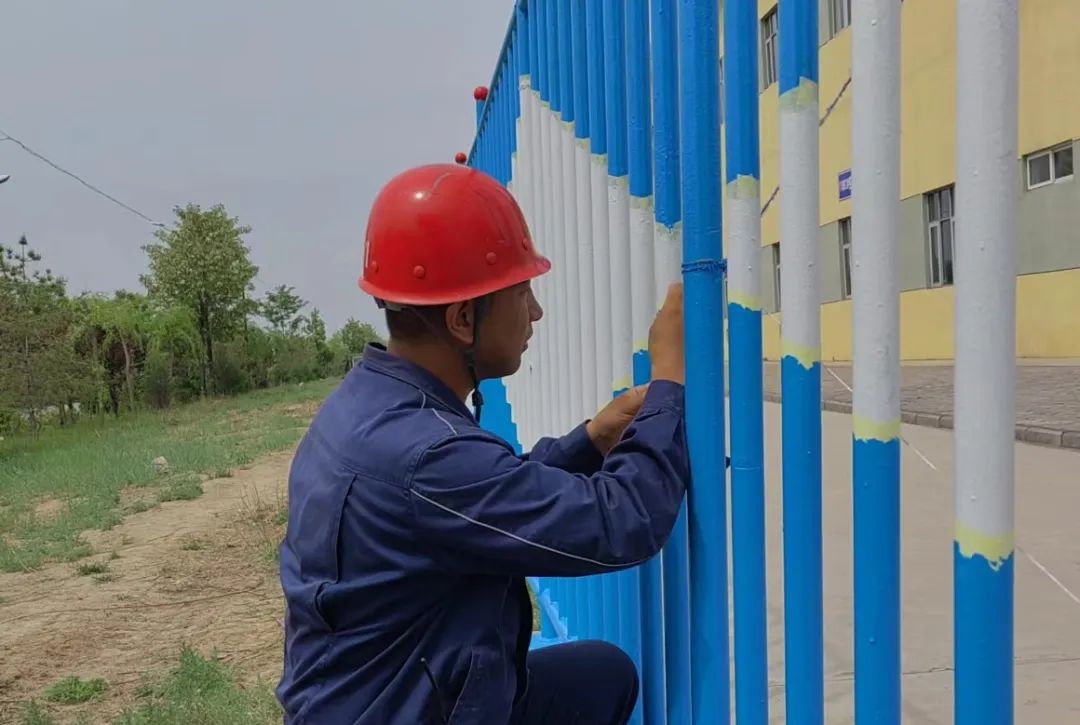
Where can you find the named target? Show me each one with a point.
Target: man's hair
(414, 323)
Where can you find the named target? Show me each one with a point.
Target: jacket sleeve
(484, 510)
(574, 452)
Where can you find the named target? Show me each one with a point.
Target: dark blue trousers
(579, 683)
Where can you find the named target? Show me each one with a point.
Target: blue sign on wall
(845, 184)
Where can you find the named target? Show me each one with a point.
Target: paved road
(1047, 617)
(1047, 398)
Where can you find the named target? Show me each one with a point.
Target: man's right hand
(666, 339)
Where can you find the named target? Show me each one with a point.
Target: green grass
(35, 714)
(88, 465)
(203, 690)
(73, 690)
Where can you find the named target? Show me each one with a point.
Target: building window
(845, 257)
(776, 273)
(769, 49)
(941, 230)
(1049, 165)
(839, 15)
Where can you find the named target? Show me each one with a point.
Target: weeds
(203, 690)
(87, 465)
(91, 567)
(35, 714)
(73, 690)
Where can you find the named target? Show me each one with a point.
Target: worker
(411, 529)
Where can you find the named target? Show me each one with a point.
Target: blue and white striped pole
(699, 37)
(569, 241)
(594, 31)
(985, 376)
(800, 365)
(667, 260)
(642, 311)
(745, 352)
(619, 236)
(876, 321)
(586, 278)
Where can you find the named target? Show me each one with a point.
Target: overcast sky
(292, 114)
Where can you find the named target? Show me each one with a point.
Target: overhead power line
(5, 136)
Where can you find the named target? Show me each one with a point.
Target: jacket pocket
(469, 705)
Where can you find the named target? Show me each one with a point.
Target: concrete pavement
(1047, 612)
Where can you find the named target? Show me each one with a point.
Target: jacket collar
(379, 360)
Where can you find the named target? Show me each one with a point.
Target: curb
(1025, 433)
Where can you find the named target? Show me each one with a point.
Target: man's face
(505, 329)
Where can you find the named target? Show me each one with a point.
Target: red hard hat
(445, 233)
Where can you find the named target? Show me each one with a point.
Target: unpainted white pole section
(586, 282)
(573, 278)
(601, 280)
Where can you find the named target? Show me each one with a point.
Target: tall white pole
(985, 373)
(875, 287)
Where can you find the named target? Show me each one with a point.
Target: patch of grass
(193, 545)
(114, 555)
(281, 517)
(106, 577)
(92, 567)
(223, 473)
(35, 714)
(185, 488)
(137, 507)
(74, 690)
(203, 690)
(88, 464)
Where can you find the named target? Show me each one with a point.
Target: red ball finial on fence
(460, 157)
(480, 94)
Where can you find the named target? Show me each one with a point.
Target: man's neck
(437, 358)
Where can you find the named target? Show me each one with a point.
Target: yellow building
(1048, 198)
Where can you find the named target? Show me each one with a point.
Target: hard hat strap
(479, 308)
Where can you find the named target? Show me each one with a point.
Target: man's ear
(460, 318)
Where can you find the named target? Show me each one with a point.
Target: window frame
(935, 223)
(839, 11)
(1050, 153)
(843, 232)
(776, 274)
(770, 48)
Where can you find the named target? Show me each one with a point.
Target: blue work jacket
(411, 530)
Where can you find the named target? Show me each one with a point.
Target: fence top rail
(519, 6)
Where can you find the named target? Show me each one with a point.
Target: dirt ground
(197, 573)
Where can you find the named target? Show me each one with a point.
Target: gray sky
(292, 114)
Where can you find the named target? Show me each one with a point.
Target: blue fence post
(743, 193)
(703, 277)
(667, 260)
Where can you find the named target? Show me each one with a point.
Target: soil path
(197, 573)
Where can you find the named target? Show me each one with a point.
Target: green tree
(354, 336)
(39, 367)
(203, 264)
(281, 308)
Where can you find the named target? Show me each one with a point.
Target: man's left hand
(606, 429)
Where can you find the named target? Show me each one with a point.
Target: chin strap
(479, 308)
